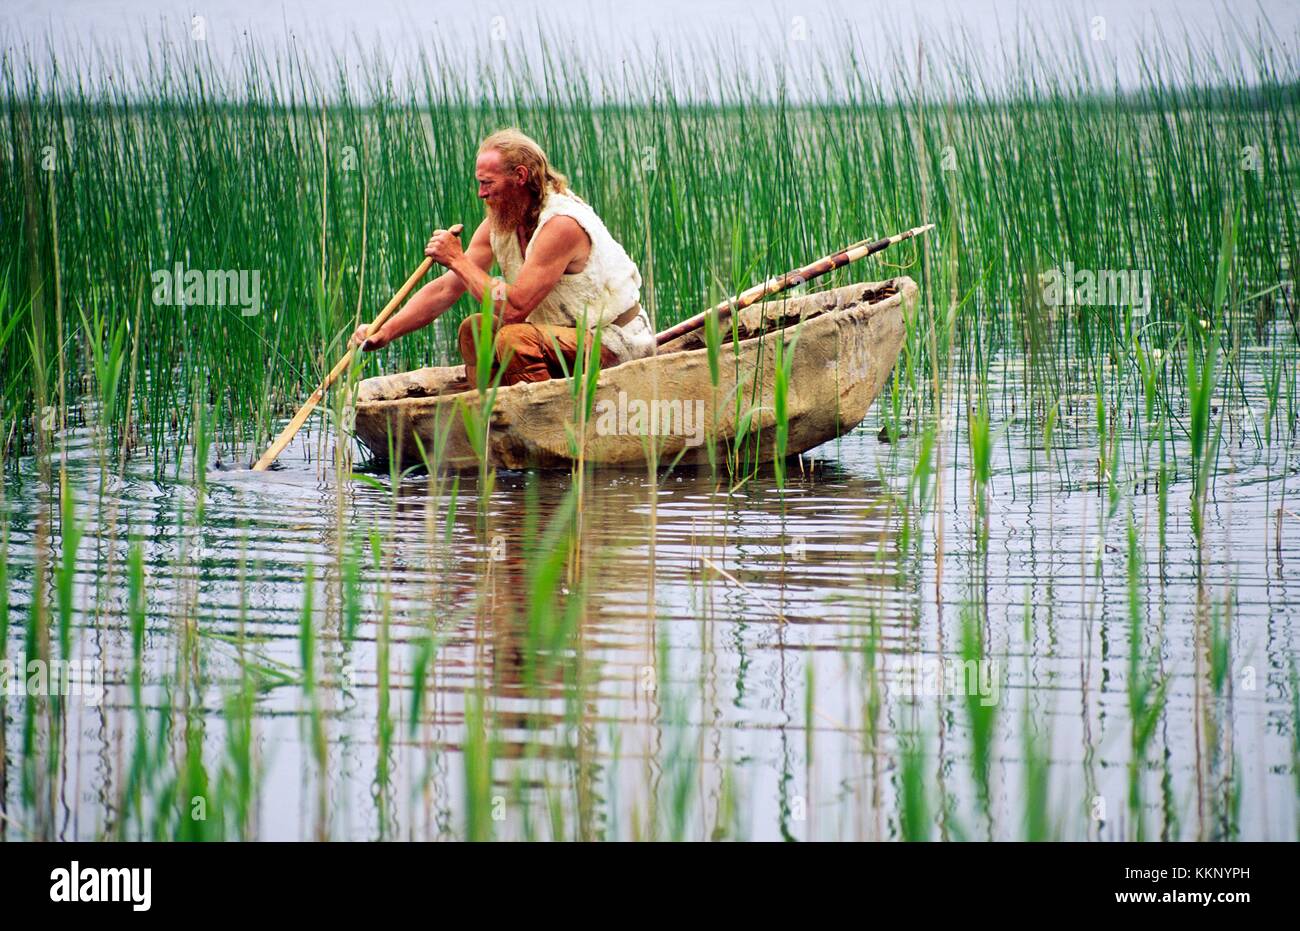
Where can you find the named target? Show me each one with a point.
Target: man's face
(501, 190)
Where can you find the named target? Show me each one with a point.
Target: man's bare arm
(431, 301)
(554, 247)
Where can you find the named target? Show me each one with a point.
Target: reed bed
(328, 189)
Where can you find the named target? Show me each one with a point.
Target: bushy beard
(509, 213)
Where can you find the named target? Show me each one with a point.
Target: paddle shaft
(787, 281)
(300, 418)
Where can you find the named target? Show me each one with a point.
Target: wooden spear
(304, 412)
(787, 281)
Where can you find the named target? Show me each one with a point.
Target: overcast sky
(805, 31)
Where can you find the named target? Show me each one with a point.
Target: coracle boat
(665, 405)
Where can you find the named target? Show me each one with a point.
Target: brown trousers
(525, 349)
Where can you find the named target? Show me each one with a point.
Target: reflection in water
(709, 662)
(688, 588)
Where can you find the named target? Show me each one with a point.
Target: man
(561, 268)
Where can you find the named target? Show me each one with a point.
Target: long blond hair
(518, 148)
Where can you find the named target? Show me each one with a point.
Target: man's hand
(368, 344)
(444, 247)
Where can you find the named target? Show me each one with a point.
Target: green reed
(1036, 743)
(782, 365)
(582, 385)
(1204, 444)
(350, 581)
(914, 803)
(65, 573)
(4, 654)
(4, 587)
(137, 618)
(330, 221)
(478, 765)
(1146, 688)
(117, 207)
(981, 439)
(316, 738)
(713, 353)
(551, 619)
(1294, 681)
(241, 772)
(478, 418)
(981, 714)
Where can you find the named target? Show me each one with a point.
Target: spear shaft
(792, 279)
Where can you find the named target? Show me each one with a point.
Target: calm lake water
(720, 681)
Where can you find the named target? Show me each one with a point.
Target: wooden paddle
(300, 418)
(787, 281)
